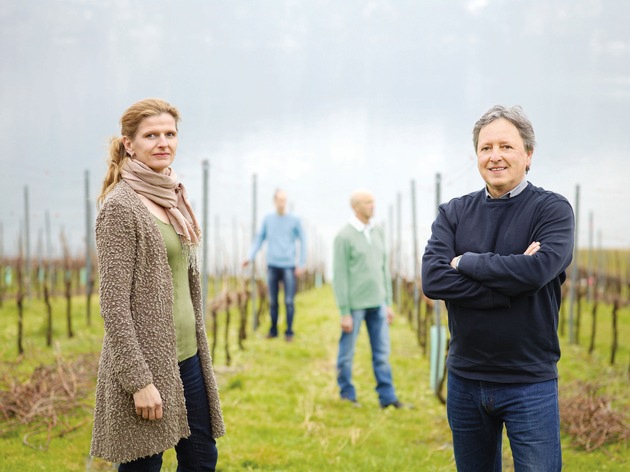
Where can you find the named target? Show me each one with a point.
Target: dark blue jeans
(478, 410)
(287, 276)
(198, 452)
(378, 331)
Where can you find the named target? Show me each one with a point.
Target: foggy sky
(318, 97)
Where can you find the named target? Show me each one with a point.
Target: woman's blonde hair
(129, 124)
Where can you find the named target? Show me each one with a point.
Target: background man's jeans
(477, 411)
(378, 331)
(274, 276)
(197, 452)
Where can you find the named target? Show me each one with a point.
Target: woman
(156, 387)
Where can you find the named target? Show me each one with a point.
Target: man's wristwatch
(459, 258)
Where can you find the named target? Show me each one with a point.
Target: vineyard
(600, 294)
(51, 332)
(280, 400)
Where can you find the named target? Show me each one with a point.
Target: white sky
(316, 96)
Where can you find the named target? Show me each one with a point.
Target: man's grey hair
(514, 115)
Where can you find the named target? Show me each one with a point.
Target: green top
(183, 311)
(360, 274)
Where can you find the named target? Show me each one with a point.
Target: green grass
(281, 405)
(614, 261)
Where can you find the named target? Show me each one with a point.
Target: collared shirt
(360, 271)
(512, 193)
(362, 227)
(281, 233)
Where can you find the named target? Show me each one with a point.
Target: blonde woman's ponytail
(117, 157)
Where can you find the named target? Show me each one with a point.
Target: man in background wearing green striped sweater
(363, 291)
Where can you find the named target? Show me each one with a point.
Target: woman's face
(155, 142)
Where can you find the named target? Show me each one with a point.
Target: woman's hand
(148, 403)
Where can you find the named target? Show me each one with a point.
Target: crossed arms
(488, 280)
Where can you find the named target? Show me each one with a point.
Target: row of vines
(230, 302)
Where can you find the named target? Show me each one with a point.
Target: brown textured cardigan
(139, 347)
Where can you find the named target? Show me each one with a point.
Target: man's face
(501, 157)
(280, 201)
(364, 206)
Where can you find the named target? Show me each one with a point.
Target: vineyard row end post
(253, 278)
(574, 270)
(204, 240)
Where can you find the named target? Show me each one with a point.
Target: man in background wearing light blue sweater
(281, 231)
(363, 291)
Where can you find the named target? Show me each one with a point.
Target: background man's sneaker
(354, 403)
(398, 405)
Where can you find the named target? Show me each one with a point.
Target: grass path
(282, 410)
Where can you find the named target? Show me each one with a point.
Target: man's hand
(455, 261)
(532, 249)
(346, 323)
(148, 403)
(390, 314)
(299, 271)
(245, 263)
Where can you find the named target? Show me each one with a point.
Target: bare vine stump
(615, 332)
(69, 307)
(242, 300)
(214, 329)
(49, 327)
(20, 307)
(228, 358)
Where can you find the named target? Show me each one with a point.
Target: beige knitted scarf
(169, 193)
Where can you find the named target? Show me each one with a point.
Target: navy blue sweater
(502, 305)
